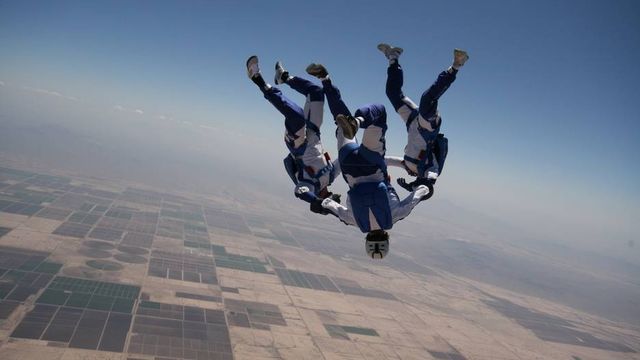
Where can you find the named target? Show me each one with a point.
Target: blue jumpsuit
(372, 202)
(422, 122)
(313, 171)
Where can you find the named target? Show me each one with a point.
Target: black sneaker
(282, 75)
(317, 70)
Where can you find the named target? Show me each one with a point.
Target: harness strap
(411, 160)
(420, 164)
(411, 119)
(309, 170)
(311, 126)
(323, 171)
(314, 175)
(425, 155)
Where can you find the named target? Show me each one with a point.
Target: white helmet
(377, 244)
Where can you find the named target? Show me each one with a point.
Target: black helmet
(377, 244)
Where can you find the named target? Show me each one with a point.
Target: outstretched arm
(398, 162)
(404, 207)
(395, 161)
(305, 192)
(344, 214)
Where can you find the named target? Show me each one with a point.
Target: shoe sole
(251, 60)
(345, 126)
(386, 48)
(383, 47)
(316, 70)
(459, 52)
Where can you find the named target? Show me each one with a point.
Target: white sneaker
(392, 53)
(252, 67)
(459, 58)
(282, 75)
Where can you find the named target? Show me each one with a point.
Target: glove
(316, 207)
(403, 183)
(430, 194)
(423, 181)
(412, 186)
(335, 197)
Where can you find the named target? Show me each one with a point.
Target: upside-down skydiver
(426, 149)
(308, 164)
(372, 203)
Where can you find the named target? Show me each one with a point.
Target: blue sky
(542, 120)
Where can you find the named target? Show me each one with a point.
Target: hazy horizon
(541, 124)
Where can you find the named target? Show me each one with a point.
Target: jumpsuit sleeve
(336, 168)
(405, 206)
(395, 161)
(305, 192)
(344, 214)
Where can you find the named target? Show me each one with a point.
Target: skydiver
(372, 203)
(307, 164)
(426, 149)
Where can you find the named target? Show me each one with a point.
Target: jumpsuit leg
(294, 120)
(404, 106)
(429, 99)
(337, 107)
(334, 98)
(314, 104)
(374, 122)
